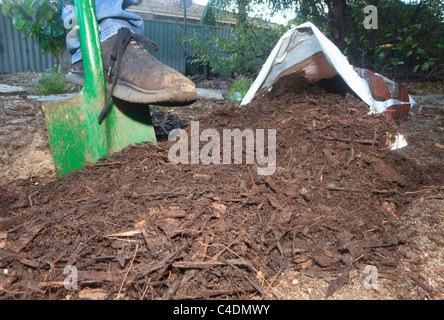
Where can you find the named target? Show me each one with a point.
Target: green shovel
(75, 134)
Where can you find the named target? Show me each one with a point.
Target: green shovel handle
(91, 48)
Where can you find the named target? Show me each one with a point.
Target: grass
(162, 107)
(49, 82)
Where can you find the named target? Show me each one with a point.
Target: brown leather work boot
(141, 77)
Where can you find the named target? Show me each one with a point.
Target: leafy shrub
(236, 90)
(48, 83)
(244, 51)
(40, 18)
(408, 39)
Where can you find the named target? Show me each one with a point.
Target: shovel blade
(75, 134)
(127, 124)
(77, 138)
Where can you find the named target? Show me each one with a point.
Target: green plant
(162, 107)
(245, 50)
(236, 90)
(408, 40)
(39, 18)
(48, 83)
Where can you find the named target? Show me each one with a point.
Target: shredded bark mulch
(139, 227)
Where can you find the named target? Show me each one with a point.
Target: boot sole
(126, 91)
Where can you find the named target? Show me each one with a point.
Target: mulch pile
(138, 227)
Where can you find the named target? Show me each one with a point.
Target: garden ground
(136, 226)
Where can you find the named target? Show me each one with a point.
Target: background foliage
(409, 40)
(408, 43)
(40, 19)
(244, 51)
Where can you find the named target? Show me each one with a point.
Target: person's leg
(111, 16)
(140, 77)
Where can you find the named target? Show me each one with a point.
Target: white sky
(264, 10)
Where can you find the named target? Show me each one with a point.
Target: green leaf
(54, 49)
(47, 50)
(35, 27)
(43, 41)
(46, 12)
(58, 30)
(60, 41)
(5, 8)
(19, 22)
(27, 5)
(47, 31)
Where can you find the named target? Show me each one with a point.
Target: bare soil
(136, 226)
